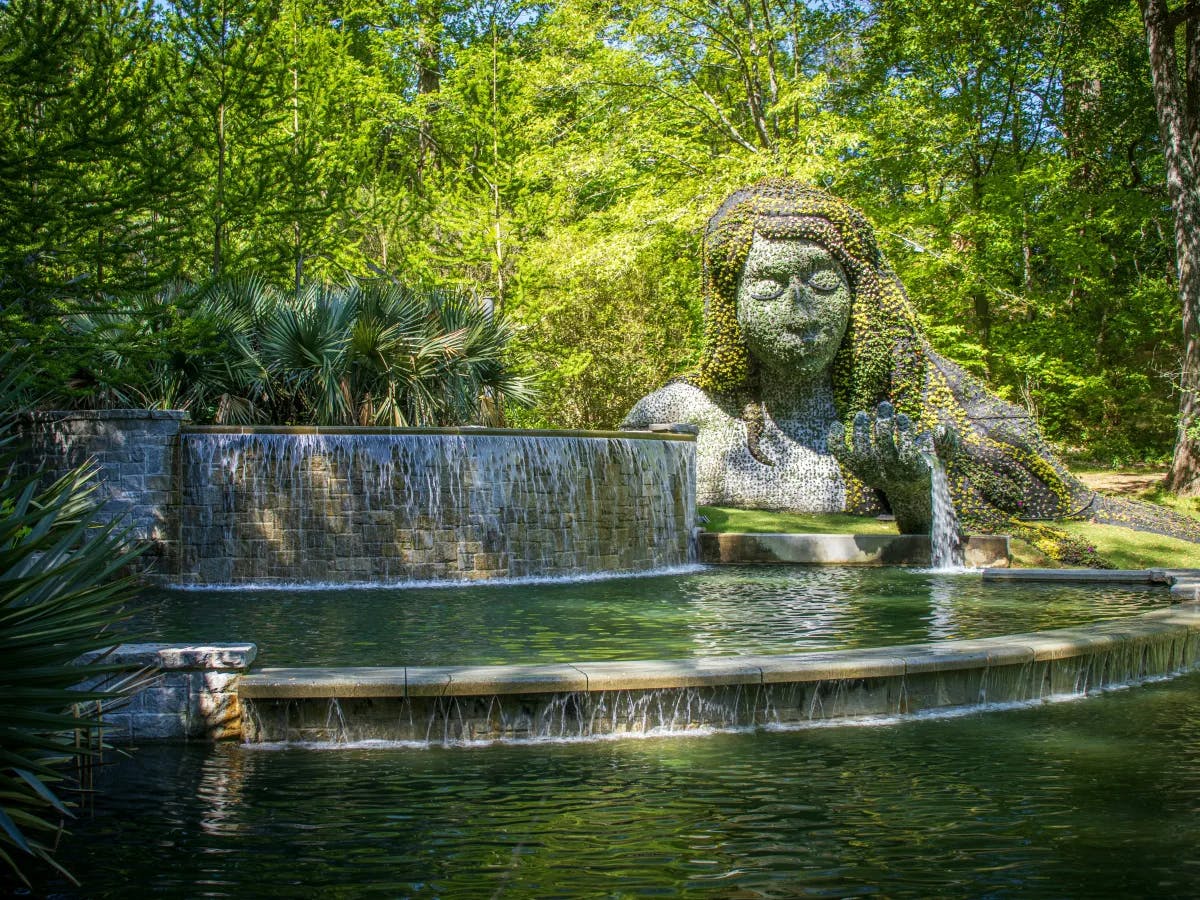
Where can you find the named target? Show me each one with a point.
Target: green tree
(1176, 85)
(80, 171)
(226, 82)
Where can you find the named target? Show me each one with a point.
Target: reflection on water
(713, 612)
(1087, 799)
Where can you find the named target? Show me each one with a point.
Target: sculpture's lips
(804, 332)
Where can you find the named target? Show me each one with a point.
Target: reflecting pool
(1099, 797)
(716, 611)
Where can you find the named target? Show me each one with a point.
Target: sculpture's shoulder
(677, 402)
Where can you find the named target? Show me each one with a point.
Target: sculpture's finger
(860, 441)
(946, 441)
(835, 439)
(885, 438)
(909, 443)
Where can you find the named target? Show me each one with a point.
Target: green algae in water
(720, 611)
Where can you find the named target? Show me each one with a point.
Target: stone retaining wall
(351, 505)
(980, 550)
(192, 694)
(135, 453)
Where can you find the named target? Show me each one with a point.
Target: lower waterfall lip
(466, 705)
(689, 568)
(706, 731)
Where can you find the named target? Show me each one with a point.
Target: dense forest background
(561, 158)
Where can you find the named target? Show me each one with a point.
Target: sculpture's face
(793, 304)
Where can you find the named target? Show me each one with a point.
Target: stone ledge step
(1102, 576)
(731, 548)
(1173, 623)
(461, 431)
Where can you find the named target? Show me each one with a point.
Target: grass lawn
(1129, 549)
(1122, 547)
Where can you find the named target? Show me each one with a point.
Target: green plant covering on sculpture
(1003, 476)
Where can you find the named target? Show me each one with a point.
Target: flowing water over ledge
(469, 705)
(380, 505)
(945, 538)
(1092, 799)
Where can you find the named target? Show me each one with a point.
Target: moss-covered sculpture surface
(817, 391)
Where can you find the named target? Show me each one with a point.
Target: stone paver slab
(1102, 576)
(652, 674)
(476, 680)
(287, 684)
(952, 656)
(848, 664)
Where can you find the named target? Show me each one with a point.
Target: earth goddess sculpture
(818, 392)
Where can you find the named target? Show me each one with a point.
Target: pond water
(1099, 797)
(716, 611)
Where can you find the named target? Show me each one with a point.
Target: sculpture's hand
(886, 452)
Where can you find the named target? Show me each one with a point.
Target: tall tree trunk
(494, 182)
(429, 77)
(297, 225)
(219, 198)
(1178, 138)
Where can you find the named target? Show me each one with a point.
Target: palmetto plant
(369, 353)
(161, 349)
(60, 596)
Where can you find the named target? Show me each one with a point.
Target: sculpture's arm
(673, 404)
(887, 453)
(639, 417)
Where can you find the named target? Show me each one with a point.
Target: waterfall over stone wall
(369, 506)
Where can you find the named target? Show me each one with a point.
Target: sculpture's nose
(796, 289)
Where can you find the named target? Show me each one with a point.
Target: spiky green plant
(61, 593)
(367, 353)
(164, 349)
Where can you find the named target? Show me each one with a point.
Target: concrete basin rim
(1177, 621)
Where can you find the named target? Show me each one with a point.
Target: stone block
(167, 697)
(215, 682)
(175, 657)
(834, 666)
(654, 674)
(211, 709)
(158, 727)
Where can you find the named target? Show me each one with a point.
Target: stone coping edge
(1178, 621)
(1102, 576)
(178, 656)
(95, 415)
(465, 431)
(736, 548)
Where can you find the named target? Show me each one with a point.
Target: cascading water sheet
(389, 507)
(945, 538)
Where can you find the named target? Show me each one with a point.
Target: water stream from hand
(945, 538)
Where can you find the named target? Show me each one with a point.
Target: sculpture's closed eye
(772, 287)
(824, 281)
(768, 288)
